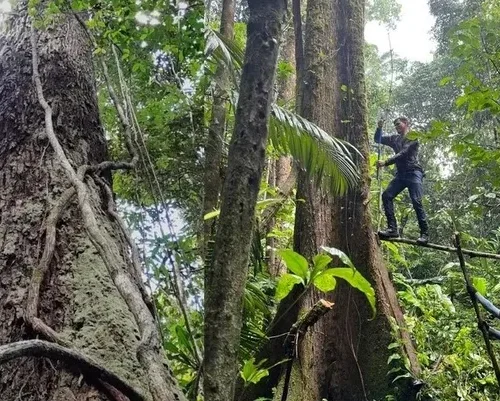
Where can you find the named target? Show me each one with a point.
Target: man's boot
(423, 239)
(390, 232)
(424, 230)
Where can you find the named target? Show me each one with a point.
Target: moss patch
(100, 323)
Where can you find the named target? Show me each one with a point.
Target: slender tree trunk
(217, 131)
(226, 279)
(282, 167)
(312, 219)
(79, 298)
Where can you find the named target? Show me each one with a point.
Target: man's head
(402, 125)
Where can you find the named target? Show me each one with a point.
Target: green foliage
(284, 70)
(319, 276)
(296, 263)
(285, 285)
(252, 373)
(386, 12)
(327, 159)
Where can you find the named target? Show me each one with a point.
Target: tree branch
(473, 254)
(300, 327)
(39, 348)
(483, 326)
(296, 334)
(38, 274)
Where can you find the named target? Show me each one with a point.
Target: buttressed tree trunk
(344, 356)
(217, 130)
(65, 273)
(352, 363)
(246, 159)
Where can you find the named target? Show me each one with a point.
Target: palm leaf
(328, 160)
(224, 52)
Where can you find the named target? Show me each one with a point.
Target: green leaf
(211, 215)
(295, 262)
(252, 373)
(326, 159)
(268, 202)
(183, 338)
(356, 280)
(393, 357)
(285, 285)
(320, 262)
(480, 284)
(337, 252)
(325, 282)
(404, 376)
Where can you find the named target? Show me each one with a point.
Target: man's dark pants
(413, 180)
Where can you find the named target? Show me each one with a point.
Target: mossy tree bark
(227, 276)
(348, 354)
(79, 298)
(357, 347)
(212, 182)
(344, 356)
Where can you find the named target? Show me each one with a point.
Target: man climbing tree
(409, 175)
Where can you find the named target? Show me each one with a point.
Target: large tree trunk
(217, 131)
(344, 356)
(81, 297)
(348, 352)
(360, 346)
(226, 278)
(313, 225)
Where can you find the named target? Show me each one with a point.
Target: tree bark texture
(313, 214)
(226, 278)
(79, 299)
(281, 169)
(313, 223)
(353, 364)
(217, 130)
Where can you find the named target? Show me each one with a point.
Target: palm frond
(224, 52)
(327, 160)
(251, 339)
